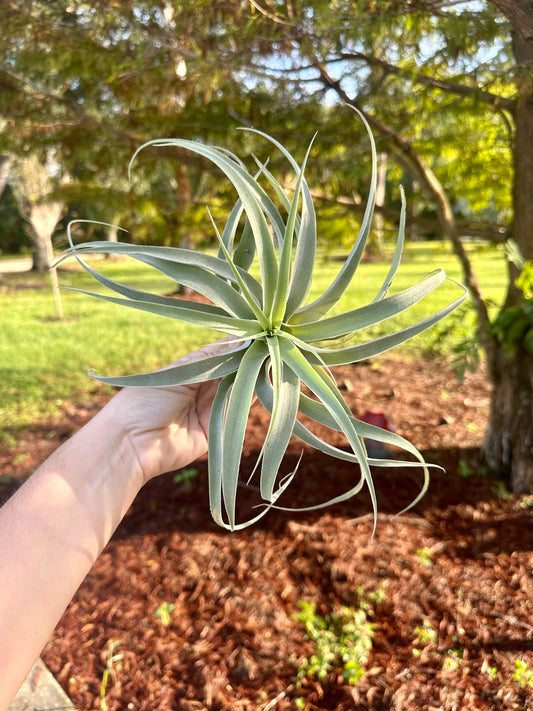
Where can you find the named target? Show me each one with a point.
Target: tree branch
(29, 88)
(414, 164)
(494, 233)
(487, 97)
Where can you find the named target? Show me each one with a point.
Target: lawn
(45, 362)
(422, 588)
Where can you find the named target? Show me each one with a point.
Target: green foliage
(427, 637)
(525, 280)
(452, 659)
(491, 671)
(342, 638)
(501, 490)
(92, 82)
(424, 73)
(280, 341)
(513, 327)
(81, 78)
(464, 469)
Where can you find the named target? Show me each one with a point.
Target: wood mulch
(454, 629)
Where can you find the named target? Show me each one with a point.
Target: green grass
(418, 260)
(44, 362)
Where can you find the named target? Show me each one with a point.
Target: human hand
(166, 428)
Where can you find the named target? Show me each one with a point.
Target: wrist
(109, 438)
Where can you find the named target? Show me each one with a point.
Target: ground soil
(454, 629)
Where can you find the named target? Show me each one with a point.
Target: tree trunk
(508, 445)
(5, 167)
(39, 255)
(32, 186)
(43, 219)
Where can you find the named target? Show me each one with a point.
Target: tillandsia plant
(281, 340)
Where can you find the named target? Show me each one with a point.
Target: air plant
(280, 339)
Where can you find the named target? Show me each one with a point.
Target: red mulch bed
(460, 563)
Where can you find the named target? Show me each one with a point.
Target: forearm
(53, 529)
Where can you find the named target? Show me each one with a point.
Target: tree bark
(32, 187)
(520, 15)
(5, 167)
(508, 444)
(40, 260)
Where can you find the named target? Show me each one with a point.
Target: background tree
(447, 86)
(31, 182)
(32, 186)
(449, 89)
(94, 80)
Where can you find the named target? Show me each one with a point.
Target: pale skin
(55, 526)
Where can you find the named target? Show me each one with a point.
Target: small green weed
(185, 476)
(342, 638)
(523, 673)
(501, 490)
(262, 697)
(425, 557)
(164, 613)
(113, 665)
(452, 659)
(426, 634)
(464, 469)
(491, 671)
